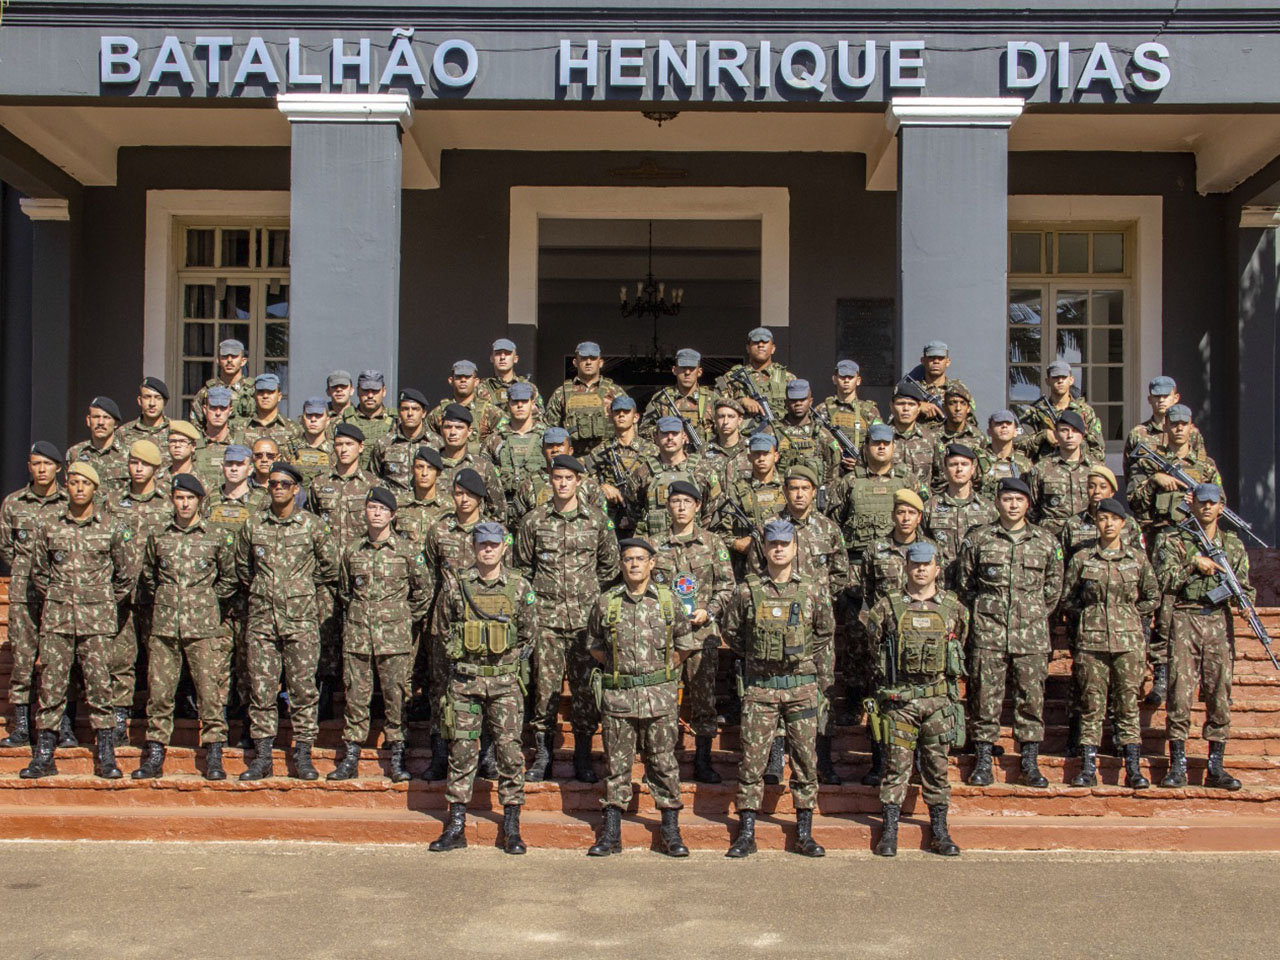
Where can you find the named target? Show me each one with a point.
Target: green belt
(915, 692)
(475, 670)
(783, 682)
(630, 681)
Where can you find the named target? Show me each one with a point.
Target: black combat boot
(152, 765)
(105, 765)
(887, 845)
(583, 772)
(1177, 773)
(1031, 775)
(773, 769)
(980, 775)
(121, 729)
(20, 732)
(512, 842)
(349, 768)
(67, 728)
(610, 839)
(302, 761)
(454, 836)
(1159, 685)
(213, 761)
(1073, 737)
(1216, 776)
(745, 843)
(439, 768)
(540, 768)
(1133, 767)
(941, 842)
(1088, 775)
(703, 770)
(671, 834)
(806, 846)
(42, 764)
(488, 764)
(874, 775)
(262, 766)
(398, 773)
(826, 769)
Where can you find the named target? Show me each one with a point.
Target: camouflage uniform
(641, 638)
(992, 469)
(852, 417)
(883, 571)
(1038, 440)
(1106, 595)
(111, 463)
(208, 459)
(535, 491)
(1151, 432)
(187, 575)
(136, 430)
(311, 461)
(761, 500)
(1201, 645)
(283, 563)
(516, 456)
(392, 459)
(653, 480)
(1081, 532)
(279, 428)
(414, 517)
(809, 444)
(732, 461)
(21, 516)
(83, 571)
(771, 381)
(495, 500)
(583, 410)
(697, 569)
(763, 620)
(486, 680)
(698, 407)
(373, 428)
(384, 588)
(242, 399)
(922, 707)
(144, 516)
(485, 418)
(1011, 580)
(914, 449)
(969, 436)
(229, 514)
(947, 521)
(569, 558)
(1058, 490)
(494, 390)
(599, 464)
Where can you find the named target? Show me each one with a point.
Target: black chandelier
(651, 299)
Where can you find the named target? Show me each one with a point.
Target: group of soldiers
(466, 557)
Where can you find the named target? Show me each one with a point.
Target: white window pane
(1073, 253)
(1108, 253)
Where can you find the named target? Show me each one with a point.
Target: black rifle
(1164, 465)
(744, 380)
(690, 431)
(1228, 584)
(735, 508)
(929, 396)
(847, 448)
(621, 480)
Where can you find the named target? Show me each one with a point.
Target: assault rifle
(1164, 465)
(690, 431)
(621, 480)
(1228, 587)
(743, 518)
(847, 449)
(929, 396)
(743, 379)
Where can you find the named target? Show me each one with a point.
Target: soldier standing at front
(1010, 575)
(639, 633)
(778, 622)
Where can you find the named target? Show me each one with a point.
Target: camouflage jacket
(279, 428)
(699, 408)
(969, 435)
(640, 635)
(1155, 507)
(771, 381)
(1175, 567)
(569, 558)
(83, 570)
(992, 469)
(485, 418)
(583, 410)
(515, 455)
(447, 546)
(1012, 581)
(1058, 490)
(821, 553)
(144, 516)
(242, 405)
(852, 417)
(893, 615)
(816, 621)
(1081, 531)
(808, 444)
(21, 516)
(111, 463)
(311, 461)
(535, 491)
(496, 500)
(373, 428)
(1037, 441)
(697, 568)
(392, 459)
(508, 594)
(494, 390)
(948, 520)
(339, 502)
(187, 574)
(282, 562)
(230, 513)
(208, 458)
(654, 478)
(862, 502)
(414, 517)
(384, 588)
(884, 567)
(1151, 432)
(732, 461)
(759, 499)
(136, 430)
(914, 449)
(1107, 595)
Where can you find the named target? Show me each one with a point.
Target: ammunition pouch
(449, 719)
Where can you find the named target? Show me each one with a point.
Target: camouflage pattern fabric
(373, 427)
(279, 428)
(654, 478)
(947, 521)
(392, 459)
(913, 448)
(698, 407)
(494, 390)
(311, 461)
(144, 515)
(242, 404)
(485, 418)
(968, 435)
(861, 502)
(1037, 440)
(112, 463)
(770, 380)
(209, 660)
(992, 469)
(22, 514)
(808, 444)
(1058, 490)
(852, 417)
(583, 410)
(1151, 432)
(495, 500)
(656, 739)
(1081, 532)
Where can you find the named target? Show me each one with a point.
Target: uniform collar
(194, 526)
(29, 493)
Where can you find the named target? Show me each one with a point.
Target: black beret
(349, 430)
(43, 448)
(107, 405)
(1114, 505)
(190, 483)
(456, 411)
(156, 384)
(685, 487)
(627, 543)
(1013, 485)
(430, 455)
(414, 396)
(1072, 419)
(470, 481)
(383, 496)
(906, 388)
(961, 450)
(288, 469)
(565, 462)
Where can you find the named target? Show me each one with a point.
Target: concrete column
(345, 236)
(1258, 436)
(50, 314)
(952, 224)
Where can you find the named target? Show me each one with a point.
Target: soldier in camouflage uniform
(919, 632)
(218, 435)
(1001, 458)
(82, 566)
(103, 450)
(727, 447)
(615, 463)
(694, 564)
(428, 501)
(151, 423)
(931, 375)
(485, 416)
(284, 557)
(489, 614)
(312, 451)
(394, 451)
(515, 447)
(1200, 636)
(339, 388)
(568, 551)
(504, 358)
(1109, 590)
(686, 399)
(639, 633)
(1010, 575)
(912, 441)
(1038, 440)
(655, 476)
(957, 426)
(958, 508)
(181, 443)
(267, 420)
(384, 589)
(369, 413)
(845, 411)
(21, 515)
(802, 440)
(778, 622)
(1058, 481)
(1162, 393)
(535, 489)
(188, 575)
(752, 501)
(581, 405)
(455, 453)
(232, 359)
(769, 378)
(1081, 531)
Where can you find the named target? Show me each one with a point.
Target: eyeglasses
(264, 456)
(279, 484)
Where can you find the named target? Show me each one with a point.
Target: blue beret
(780, 530)
(489, 532)
(880, 433)
(670, 425)
(520, 390)
(797, 389)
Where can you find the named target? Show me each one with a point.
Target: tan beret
(909, 497)
(184, 428)
(1105, 474)
(80, 468)
(147, 452)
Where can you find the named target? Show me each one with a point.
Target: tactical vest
(923, 641)
(311, 461)
(759, 503)
(613, 613)
(519, 456)
(779, 634)
(1169, 504)
(229, 514)
(798, 445)
(851, 421)
(476, 636)
(657, 520)
(584, 415)
(871, 508)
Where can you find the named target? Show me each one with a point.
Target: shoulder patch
(529, 597)
(608, 524)
(126, 534)
(722, 554)
(229, 539)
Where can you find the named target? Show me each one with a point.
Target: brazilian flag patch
(509, 540)
(529, 598)
(610, 524)
(722, 554)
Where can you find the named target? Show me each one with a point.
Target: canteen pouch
(597, 686)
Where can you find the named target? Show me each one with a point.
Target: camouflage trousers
(57, 653)
(439, 669)
(296, 654)
(655, 737)
(24, 644)
(1201, 649)
(129, 646)
(990, 671)
(762, 709)
(1114, 679)
(329, 665)
(700, 687)
(497, 702)
(209, 660)
(558, 652)
(924, 723)
(824, 659)
(393, 673)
